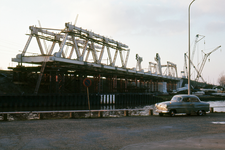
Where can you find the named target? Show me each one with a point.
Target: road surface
(141, 132)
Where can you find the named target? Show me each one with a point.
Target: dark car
(182, 104)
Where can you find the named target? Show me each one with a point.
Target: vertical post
(189, 55)
(5, 117)
(211, 109)
(100, 114)
(150, 112)
(88, 102)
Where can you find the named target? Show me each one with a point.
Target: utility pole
(189, 53)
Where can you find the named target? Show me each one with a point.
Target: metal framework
(171, 69)
(156, 68)
(197, 39)
(198, 71)
(62, 69)
(204, 61)
(82, 41)
(152, 68)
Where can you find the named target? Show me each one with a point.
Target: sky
(146, 26)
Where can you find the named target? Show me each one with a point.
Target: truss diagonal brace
(58, 54)
(101, 54)
(76, 48)
(114, 59)
(109, 55)
(84, 49)
(121, 58)
(125, 64)
(52, 47)
(39, 44)
(27, 44)
(94, 53)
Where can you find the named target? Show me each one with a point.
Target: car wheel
(160, 114)
(172, 113)
(200, 113)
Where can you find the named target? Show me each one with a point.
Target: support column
(151, 85)
(157, 86)
(97, 83)
(125, 85)
(114, 83)
(148, 89)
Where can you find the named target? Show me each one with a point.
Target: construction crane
(199, 74)
(204, 60)
(197, 39)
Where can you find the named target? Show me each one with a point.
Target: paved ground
(150, 132)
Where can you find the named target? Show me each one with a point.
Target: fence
(10, 101)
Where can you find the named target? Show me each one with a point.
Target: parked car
(182, 104)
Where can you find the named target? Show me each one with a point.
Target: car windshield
(176, 99)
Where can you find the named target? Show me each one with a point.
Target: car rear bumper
(162, 111)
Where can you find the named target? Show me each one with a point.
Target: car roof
(186, 95)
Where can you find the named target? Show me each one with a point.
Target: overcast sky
(146, 26)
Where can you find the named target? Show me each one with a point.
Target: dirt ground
(142, 132)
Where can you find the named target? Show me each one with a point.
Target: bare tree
(221, 80)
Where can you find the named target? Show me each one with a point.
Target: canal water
(219, 106)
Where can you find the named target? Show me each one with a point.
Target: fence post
(125, 113)
(211, 109)
(100, 114)
(41, 116)
(5, 117)
(150, 112)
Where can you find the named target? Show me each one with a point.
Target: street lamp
(189, 53)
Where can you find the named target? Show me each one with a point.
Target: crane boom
(199, 74)
(204, 60)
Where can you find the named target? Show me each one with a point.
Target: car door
(187, 106)
(196, 104)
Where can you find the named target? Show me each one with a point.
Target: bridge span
(62, 67)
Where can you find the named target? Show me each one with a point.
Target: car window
(186, 99)
(176, 99)
(194, 99)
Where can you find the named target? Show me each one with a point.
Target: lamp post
(189, 53)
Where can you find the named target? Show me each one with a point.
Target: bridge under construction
(55, 74)
(61, 67)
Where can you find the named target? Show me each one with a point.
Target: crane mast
(196, 41)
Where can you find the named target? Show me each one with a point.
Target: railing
(72, 113)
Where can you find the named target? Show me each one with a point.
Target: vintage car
(182, 104)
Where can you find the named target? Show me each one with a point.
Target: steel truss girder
(152, 68)
(171, 69)
(80, 41)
